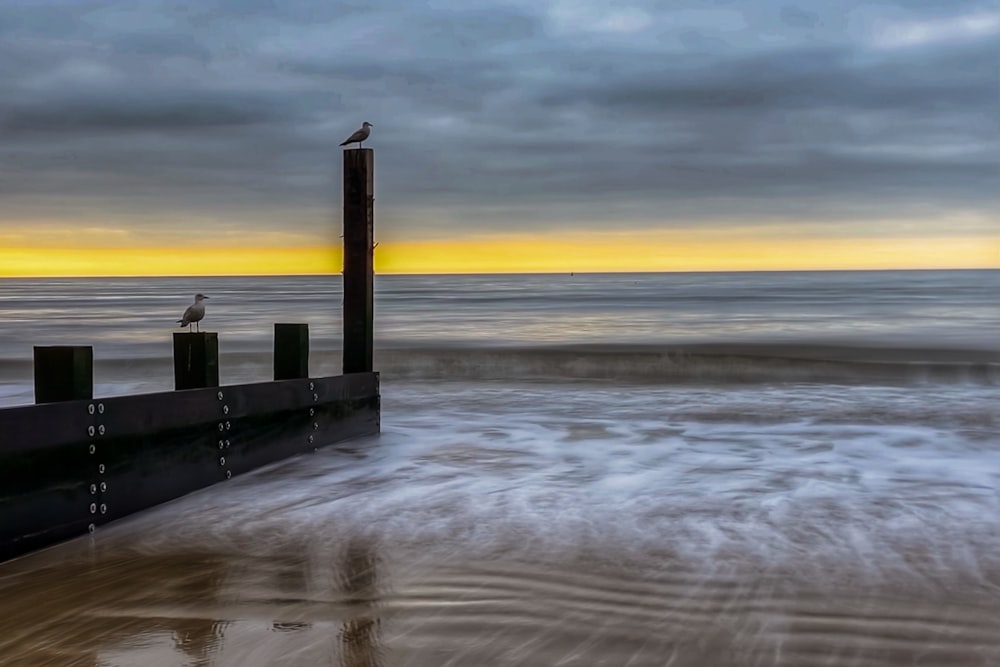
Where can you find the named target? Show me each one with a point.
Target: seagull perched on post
(194, 313)
(360, 135)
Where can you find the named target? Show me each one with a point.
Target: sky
(192, 138)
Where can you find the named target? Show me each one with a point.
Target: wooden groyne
(70, 463)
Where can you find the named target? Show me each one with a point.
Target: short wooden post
(196, 360)
(291, 351)
(359, 220)
(64, 373)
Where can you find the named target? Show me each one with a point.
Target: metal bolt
(90, 408)
(93, 489)
(220, 444)
(222, 460)
(225, 409)
(312, 385)
(92, 448)
(104, 487)
(100, 468)
(91, 431)
(93, 508)
(315, 426)
(315, 397)
(104, 508)
(91, 528)
(227, 444)
(221, 427)
(310, 439)
(228, 425)
(100, 408)
(312, 412)
(229, 474)
(219, 395)
(100, 429)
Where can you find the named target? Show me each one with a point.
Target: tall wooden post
(291, 351)
(196, 360)
(63, 373)
(359, 220)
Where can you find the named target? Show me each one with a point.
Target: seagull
(360, 135)
(194, 313)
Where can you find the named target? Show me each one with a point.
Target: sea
(670, 469)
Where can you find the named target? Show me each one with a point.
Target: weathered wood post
(359, 220)
(64, 373)
(291, 351)
(196, 360)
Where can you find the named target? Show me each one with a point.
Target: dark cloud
(499, 115)
(797, 17)
(793, 79)
(118, 111)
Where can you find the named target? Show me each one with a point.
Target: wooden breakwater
(70, 463)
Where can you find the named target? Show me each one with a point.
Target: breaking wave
(696, 363)
(661, 364)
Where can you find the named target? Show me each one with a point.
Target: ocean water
(766, 327)
(650, 469)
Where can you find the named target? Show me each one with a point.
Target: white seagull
(360, 135)
(194, 313)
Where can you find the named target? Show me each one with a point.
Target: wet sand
(364, 603)
(524, 525)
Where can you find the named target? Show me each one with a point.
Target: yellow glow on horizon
(678, 252)
(197, 261)
(583, 252)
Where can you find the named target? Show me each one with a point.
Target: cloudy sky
(520, 134)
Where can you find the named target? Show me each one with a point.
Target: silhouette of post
(196, 360)
(64, 373)
(359, 221)
(291, 351)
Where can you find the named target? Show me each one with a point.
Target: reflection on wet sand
(112, 606)
(73, 611)
(98, 607)
(359, 637)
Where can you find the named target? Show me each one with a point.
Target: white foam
(766, 476)
(16, 394)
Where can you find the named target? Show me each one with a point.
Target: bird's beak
(204, 297)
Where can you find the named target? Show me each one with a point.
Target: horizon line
(498, 273)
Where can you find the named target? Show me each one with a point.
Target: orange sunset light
(520, 254)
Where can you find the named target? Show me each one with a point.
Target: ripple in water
(573, 524)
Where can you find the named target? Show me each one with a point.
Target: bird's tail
(344, 143)
(181, 322)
